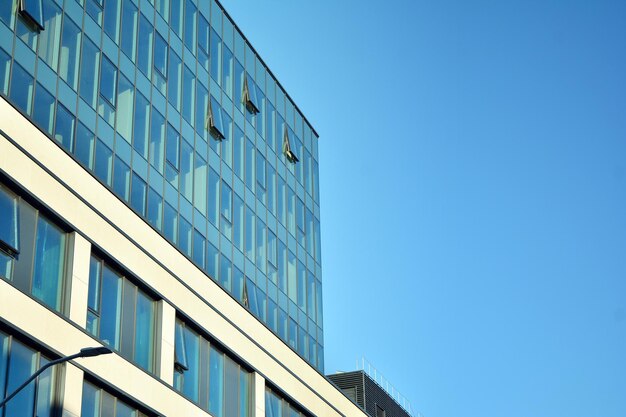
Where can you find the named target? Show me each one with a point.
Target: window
(204, 374)
(17, 361)
(97, 402)
(380, 412)
(277, 405)
(215, 122)
(32, 250)
(120, 314)
(249, 95)
(291, 157)
(32, 11)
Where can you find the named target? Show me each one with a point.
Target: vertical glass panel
(90, 63)
(244, 394)
(291, 276)
(123, 410)
(163, 7)
(110, 308)
(186, 171)
(8, 219)
(5, 69)
(170, 223)
(104, 162)
(271, 189)
(184, 236)
(238, 225)
(138, 194)
(238, 152)
(192, 375)
(203, 43)
(129, 30)
(84, 145)
(8, 12)
(216, 56)
(212, 261)
(94, 9)
(121, 179)
(23, 362)
(282, 324)
(272, 315)
(227, 72)
(144, 332)
(310, 244)
(214, 197)
(108, 405)
(310, 295)
(301, 286)
(142, 123)
(90, 406)
(24, 31)
(216, 382)
(49, 264)
(108, 79)
(250, 156)
(155, 208)
(199, 249)
(112, 17)
(281, 200)
(176, 16)
(238, 284)
(269, 126)
(49, 39)
(64, 128)
(293, 333)
(231, 387)
(173, 80)
(260, 177)
(157, 140)
(125, 98)
(227, 202)
(202, 106)
(200, 184)
(282, 266)
(250, 230)
(261, 251)
(238, 88)
(70, 47)
(172, 149)
(21, 93)
(225, 275)
(127, 321)
(45, 391)
(146, 36)
(227, 142)
(190, 25)
(43, 111)
(160, 55)
(189, 95)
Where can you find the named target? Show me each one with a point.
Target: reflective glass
(49, 39)
(214, 198)
(216, 56)
(250, 157)
(70, 48)
(176, 16)
(129, 30)
(155, 208)
(190, 25)
(90, 64)
(104, 162)
(22, 363)
(112, 15)
(227, 72)
(216, 382)
(84, 145)
(121, 179)
(124, 113)
(144, 332)
(108, 80)
(186, 171)
(8, 12)
(225, 274)
(138, 194)
(250, 231)
(170, 223)
(146, 35)
(5, 69)
(174, 77)
(21, 93)
(49, 264)
(189, 95)
(43, 112)
(142, 124)
(34, 9)
(8, 219)
(64, 128)
(157, 140)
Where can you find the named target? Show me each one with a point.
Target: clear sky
(473, 187)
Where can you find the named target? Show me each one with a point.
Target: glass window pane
(21, 93)
(174, 77)
(8, 220)
(43, 112)
(5, 69)
(191, 376)
(8, 12)
(104, 162)
(108, 80)
(238, 222)
(227, 72)
(125, 99)
(189, 95)
(190, 25)
(49, 264)
(144, 332)
(160, 55)
(146, 36)
(157, 140)
(49, 39)
(250, 157)
(250, 231)
(176, 17)
(199, 248)
(34, 10)
(84, 145)
(121, 179)
(225, 274)
(110, 308)
(129, 30)
(22, 364)
(64, 128)
(170, 223)
(90, 406)
(46, 384)
(216, 54)
(138, 194)
(200, 184)
(216, 382)
(90, 64)
(112, 15)
(186, 171)
(142, 123)
(70, 46)
(162, 6)
(231, 387)
(155, 208)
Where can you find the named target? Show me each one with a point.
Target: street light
(84, 353)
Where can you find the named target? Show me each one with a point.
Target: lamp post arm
(36, 374)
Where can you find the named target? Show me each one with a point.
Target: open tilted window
(180, 350)
(214, 120)
(249, 96)
(287, 149)
(32, 11)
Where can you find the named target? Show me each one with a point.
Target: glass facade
(32, 250)
(208, 377)
(17, 363)
(278, 406)
(97, 402)
(137, 96)
(121, 314)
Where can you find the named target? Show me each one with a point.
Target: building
(159, 195)
(372, 395)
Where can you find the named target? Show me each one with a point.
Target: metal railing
(363, 365)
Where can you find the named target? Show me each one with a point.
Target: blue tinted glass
(189, 95)
(34, 10)
(129, 30)
(190, 25)
(192, 344)
(108, 79)
(5, 69)
(170, 223)
(174, 79)
(121, 179)
(45, 406)
(173, 146)
(216, 54)
(176, 16)
(84, 145)
(244, 394)
(225, 272)
(146, 35)
(43, 111)
(198, 248)
(93, 300)
(144, 332)
(4, 358)
(70, 47)
(104, 162)
(90, 406)
(64, 128)
(155, 208)
(216, 382)
(184, 236)
(112, 12)
(141, 125)
(23, 362)
(21, 93)
(186, 171)
(90, 64)
(212, 261)
(49, 266)
(7, 14)
(203, 34)
(8, 219)
(157, 140)
(160, 55)
(110, 308)
(49, 39)
(138, 194)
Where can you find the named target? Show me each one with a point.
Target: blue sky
(473, 174)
